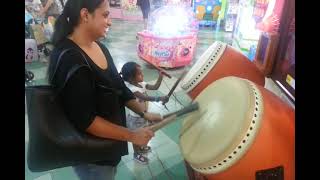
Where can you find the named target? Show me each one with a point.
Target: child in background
(132, 74)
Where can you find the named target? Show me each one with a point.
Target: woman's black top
(91, 92)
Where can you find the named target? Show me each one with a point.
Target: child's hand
(161, 74)
(164, 99)
(152, 117)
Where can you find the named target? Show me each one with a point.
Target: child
(131, 72)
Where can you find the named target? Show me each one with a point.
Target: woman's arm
(157, 84)
(78, 99)
(105, 129)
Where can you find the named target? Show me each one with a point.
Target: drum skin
(272, 146)
(231, 63)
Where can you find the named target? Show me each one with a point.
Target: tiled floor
(165, 158)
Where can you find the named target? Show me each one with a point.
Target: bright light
(209, 8)
(269, 9)
(171, 21)
(247, 26)
(175, 1)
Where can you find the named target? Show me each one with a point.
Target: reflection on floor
(165, 158)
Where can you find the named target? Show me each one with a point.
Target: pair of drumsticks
(172, 116)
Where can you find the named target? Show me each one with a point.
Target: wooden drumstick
(176, 84)
(159, 69)
(173, 116)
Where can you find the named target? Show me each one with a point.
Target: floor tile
(173, 130)
(123, 173)
(44, 177)
(66, 173)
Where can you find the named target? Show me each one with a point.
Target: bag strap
(72, 70)
(60, 57)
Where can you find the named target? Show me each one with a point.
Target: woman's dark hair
(66, 23)
(129, 70)
(70, 17)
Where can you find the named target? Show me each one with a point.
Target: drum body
(218, 61)
(240, 130)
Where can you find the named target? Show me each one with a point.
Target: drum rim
(196, 78)
(243, 146)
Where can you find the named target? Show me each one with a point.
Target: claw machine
(284, 70)
(245, 35)
(231, 15)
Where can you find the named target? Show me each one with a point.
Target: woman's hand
(142, 136)
(152, 117)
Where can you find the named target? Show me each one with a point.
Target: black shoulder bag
(54, 142)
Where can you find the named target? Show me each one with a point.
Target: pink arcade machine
(170, 38)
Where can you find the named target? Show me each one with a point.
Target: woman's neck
(82, 38)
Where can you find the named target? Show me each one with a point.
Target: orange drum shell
(273, 145)
(233, 64)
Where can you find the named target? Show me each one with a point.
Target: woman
(80, 25)
(145, 8)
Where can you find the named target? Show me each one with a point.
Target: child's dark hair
(129, 70)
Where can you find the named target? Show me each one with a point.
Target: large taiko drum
(241, 131)
(218, 61)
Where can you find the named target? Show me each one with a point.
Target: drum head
(202, 67)
(220, 132)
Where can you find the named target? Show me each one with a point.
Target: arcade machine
(159, 3)
(125, 10)
(257, 20)
(115, 9)
(245, 35)
(269, 20)
(207, 11)
(130, 10)
(114, 3)
(170, 38)
(283, 73)
(231, 15)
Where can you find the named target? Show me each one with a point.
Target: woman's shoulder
(67, 50)
(67, 55)
(66, 59)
